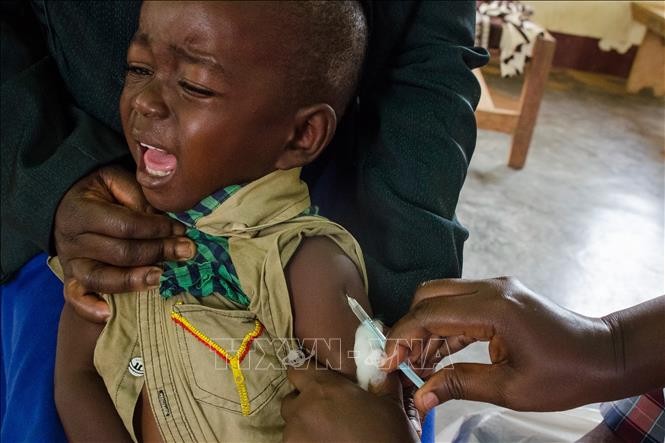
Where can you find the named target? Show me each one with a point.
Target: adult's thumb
(86, 305)
(464, 381)
(123, 187)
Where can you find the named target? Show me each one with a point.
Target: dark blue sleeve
(62, 73)
(413, 135)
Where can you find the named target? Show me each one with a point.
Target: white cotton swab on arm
(368, 323)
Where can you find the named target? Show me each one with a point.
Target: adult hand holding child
(321, 392)
(108, 239)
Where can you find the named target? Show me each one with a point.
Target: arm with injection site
(376, 332)
(319, 277)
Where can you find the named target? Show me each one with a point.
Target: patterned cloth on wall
(517, 33)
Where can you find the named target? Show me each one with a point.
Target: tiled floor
(582, 223)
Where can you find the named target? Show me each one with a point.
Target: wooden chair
(517, 116)
(648, 69)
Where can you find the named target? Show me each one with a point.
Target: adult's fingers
(445, 316)
(305, 378)
(122, 186)
(455, 344)
(130, 252)
(464, 381)
(114, 220)
(402, 348)
(424, 320)
(86, 305)
(424, 353)
(94, 276)
(289, 405)
(328, 405)
(309, 374)
(435, 349)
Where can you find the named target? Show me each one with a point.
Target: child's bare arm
(83, 403)
(319, 276)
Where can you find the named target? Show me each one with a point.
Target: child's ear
(314, 127)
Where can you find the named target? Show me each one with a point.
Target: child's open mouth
(156, 166)
(158, 162)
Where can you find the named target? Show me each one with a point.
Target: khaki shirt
(214, 370)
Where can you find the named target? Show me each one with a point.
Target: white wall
(609, 21)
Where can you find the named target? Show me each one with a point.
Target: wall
(608, 21)
(596, 36)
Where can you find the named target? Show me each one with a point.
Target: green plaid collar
(205, 206)
(211, 270)
(273, 198)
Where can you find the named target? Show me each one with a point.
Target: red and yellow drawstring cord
(233, 360)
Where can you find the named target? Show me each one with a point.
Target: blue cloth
(429, 432)
(30, 309)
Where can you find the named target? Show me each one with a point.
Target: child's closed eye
(137, 70)
(195, 90)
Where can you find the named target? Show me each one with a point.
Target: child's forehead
(216, 27)
(213, 18)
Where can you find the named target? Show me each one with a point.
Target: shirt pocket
(228, 357)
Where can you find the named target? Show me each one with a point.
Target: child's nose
(149, 102)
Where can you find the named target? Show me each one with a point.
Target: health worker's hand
(327, 407)
(544, 357)
(109, 240)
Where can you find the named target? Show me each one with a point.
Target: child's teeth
(157, 173)
(151, 147)
(158, 162)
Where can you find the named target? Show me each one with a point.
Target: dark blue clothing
(31, 305)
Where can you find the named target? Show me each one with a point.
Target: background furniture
(517, 116)
(648, 70)
(521, 46)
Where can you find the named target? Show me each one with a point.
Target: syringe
(369, 323)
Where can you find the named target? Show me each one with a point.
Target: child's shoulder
(289, 236)
(324, 258)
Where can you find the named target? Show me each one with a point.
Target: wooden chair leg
(647, 70)
(535, 78)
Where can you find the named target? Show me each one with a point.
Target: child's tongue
(159, 161)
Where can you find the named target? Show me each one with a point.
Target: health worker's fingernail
(430, 400)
